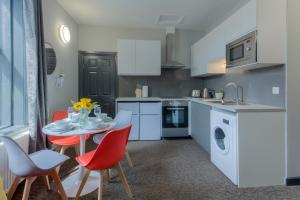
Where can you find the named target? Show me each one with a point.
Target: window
(12, 70)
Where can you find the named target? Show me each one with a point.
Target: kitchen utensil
(205, 93)
(61, 125)
(103, 116)
(196, 93)
(219, 95)
(138, 91)
(97, 111)
(145, 91)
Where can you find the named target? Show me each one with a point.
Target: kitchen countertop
(249, 107)
(138, 99)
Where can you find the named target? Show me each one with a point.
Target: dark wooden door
(97, 79)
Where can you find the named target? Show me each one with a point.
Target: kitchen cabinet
(135, 121)
(139, 57)
(150, 121)
(200, 124)
(126, 57)
(135, 129)
(256, 15)
(134, 107)
(150, 128)
(146, 119)
(148, 57)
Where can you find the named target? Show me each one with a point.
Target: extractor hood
(171, 62)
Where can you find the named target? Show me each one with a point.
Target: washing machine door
(221, 139)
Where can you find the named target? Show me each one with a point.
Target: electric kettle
(205, 93)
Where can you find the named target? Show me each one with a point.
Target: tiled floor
(172, 170)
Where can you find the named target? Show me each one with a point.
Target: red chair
(107, 155)
(64, 142)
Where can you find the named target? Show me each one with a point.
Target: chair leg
(77, 149)
(58, 184)
(83, 181)
(123, 179)
(100, 189)
(13, 188)
(46, 182)
(61, 151)
(128, 158)
(108, 174)
(27, 187)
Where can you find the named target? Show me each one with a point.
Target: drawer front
(150, 108)
(134, 107)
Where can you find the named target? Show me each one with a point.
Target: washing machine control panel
(226, 121)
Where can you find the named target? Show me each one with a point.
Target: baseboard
(292, 181)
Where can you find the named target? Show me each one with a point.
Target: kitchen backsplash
(257, 85)
(171, 83)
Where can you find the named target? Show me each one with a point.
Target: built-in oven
(242, 51)
(175, 118)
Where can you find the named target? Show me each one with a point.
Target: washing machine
(223, 139)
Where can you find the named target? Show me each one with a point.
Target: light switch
(275, 90)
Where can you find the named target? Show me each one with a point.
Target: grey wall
(257, 85)
(170, 83)
(67, 56)
(293, 90)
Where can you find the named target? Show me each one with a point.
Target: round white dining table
(72, 182)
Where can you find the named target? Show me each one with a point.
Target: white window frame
(13, 103)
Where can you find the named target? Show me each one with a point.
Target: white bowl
(219, 95)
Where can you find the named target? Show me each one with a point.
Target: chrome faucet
(237, 99)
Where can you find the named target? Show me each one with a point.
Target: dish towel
(2, 192)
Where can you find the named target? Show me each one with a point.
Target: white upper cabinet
(148, 57)
(268, 17)
(139, 57)
(126, 57)
(271, 31)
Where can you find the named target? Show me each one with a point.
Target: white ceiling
(199, 15)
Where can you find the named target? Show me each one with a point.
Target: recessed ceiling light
(169, 19)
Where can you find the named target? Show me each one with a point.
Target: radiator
(23, 140)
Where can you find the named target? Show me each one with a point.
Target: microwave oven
(242, 51)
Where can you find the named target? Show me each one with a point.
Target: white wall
(100, 38)
(293, 89)
(67, 56)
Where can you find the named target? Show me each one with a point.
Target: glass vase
(84, 114)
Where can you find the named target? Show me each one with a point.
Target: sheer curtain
(36, 72)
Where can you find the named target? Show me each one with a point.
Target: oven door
(175, 117)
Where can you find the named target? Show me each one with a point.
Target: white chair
(41, 163)
(122, 120)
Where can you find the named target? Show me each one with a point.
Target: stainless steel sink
(226, 102)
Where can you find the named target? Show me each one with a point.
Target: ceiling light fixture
(64, 33)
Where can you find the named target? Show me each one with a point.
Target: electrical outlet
(275, 90)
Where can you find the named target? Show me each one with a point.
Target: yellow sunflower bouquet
(84, 103)
(84, 107)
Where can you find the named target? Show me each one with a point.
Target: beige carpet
(172, 170)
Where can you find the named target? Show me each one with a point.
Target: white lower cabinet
(134, 134)
(146, 119)
(150, 128)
